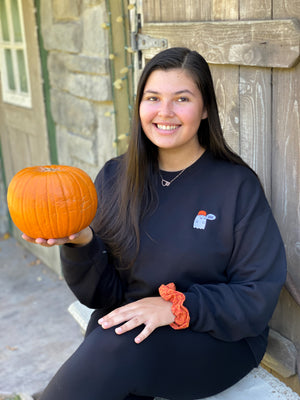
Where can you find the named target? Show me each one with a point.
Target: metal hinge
(141, 42)
(146, 42)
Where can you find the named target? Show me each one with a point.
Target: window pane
(4, 23)
(16, 20)
(10, 70)
(22, 71)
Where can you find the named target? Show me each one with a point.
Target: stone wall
(81, 99)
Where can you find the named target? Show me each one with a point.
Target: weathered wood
(121, 80)
(255, 105)
(258, 9)
(255, 115)
(286, 8)
(151, 11)
(184, 10)
(258, 43)
(286, 321)
(286, 164)
(281, 355)
(226, 83)
(286, 182)
(225, 9)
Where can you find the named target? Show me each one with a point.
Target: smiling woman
(183, 261)
(171, 111)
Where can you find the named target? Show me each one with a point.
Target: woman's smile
(166, 128)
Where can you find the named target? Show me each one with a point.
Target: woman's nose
(166, 109)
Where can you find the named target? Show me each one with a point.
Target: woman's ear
(204, 113)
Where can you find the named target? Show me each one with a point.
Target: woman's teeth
(166, 127)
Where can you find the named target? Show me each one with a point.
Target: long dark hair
(131, 195)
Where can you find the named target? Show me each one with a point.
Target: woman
(183, 263)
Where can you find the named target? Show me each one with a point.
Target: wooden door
(23, 130)
(253, 51)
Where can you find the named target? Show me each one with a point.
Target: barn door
(253, 51)
(23, 129)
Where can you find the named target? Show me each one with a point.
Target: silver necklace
(164, 182)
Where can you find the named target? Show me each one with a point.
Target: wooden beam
(271, 43)
(119, 40)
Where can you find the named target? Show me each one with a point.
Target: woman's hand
(81, 238)
(150, 311)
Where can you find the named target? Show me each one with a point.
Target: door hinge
(146, 42)
(141, 42)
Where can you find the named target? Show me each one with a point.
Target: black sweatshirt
(213, 235)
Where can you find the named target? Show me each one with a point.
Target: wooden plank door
(252, 47)
(23, 129)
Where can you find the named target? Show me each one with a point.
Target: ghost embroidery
(201, 218)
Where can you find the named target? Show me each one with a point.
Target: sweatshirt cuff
(191, 303)
(80, 254)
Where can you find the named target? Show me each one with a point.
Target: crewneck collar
(187, 169)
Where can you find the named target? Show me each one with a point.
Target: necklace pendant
(164, 182)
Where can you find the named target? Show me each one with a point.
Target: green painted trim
(119, 35)
(51, 128)
(10, 225)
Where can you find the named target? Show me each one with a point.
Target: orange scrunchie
(182, 317)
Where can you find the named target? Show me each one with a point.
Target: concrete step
(19, 396)
(257, 385)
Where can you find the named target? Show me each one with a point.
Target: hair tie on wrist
(182, 317)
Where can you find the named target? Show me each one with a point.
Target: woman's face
(171, 110)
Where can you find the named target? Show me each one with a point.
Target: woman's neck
(172, 160)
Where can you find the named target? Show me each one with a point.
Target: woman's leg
(93, 323)
(177, 365)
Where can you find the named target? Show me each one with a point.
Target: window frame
(16, 97)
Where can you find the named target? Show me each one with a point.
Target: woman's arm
(256, 272)
(91, 275)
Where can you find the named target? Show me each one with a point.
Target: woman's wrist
(84, 238)
(182, 317)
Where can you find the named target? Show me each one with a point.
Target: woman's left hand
(150, 311)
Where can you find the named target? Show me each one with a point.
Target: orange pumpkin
(51, 201)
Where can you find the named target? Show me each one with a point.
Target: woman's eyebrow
(176, 93)
(151, 91)
(185, 91)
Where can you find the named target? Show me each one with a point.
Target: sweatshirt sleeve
(90, 270)
(91, 275)
(256, 272)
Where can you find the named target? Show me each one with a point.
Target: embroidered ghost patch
(201, 218)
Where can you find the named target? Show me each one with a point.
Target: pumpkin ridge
(75, 178)
(67, 217)
(49, 184)
(36, 204)
(23, 196)
(92, 192)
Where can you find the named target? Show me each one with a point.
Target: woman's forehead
(176, 80)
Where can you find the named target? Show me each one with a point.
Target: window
(13, 56)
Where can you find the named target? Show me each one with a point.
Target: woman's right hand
(78, 239)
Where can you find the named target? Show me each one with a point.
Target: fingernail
(118, 330)
(100, 321)
(137, 340)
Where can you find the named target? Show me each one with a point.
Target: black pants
(177, 365)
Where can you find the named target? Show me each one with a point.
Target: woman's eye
(151, 98)
(182, 99)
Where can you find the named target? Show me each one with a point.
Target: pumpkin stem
(49, 169)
